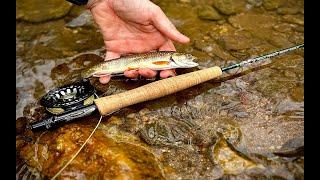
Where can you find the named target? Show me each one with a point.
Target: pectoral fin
(101, 74)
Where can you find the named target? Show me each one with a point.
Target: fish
(160, 60)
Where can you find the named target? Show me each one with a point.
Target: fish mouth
(188, 64)
(191, 64)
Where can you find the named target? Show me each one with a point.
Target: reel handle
(155, 90)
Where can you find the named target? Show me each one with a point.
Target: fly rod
(108, 104)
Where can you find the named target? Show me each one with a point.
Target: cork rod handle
(155, 90)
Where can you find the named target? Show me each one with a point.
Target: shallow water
(225, 128)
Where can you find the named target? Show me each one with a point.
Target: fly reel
(69, 97)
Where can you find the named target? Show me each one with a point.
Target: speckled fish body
(154, 60)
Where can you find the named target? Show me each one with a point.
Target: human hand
(134, 26)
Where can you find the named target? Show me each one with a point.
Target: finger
(111, 55)
(147, 73)
(104, 79)
(167, 46)
(129, 46)
(131, 74)
(168, 73)
(164, 25)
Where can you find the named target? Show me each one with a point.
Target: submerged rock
(283, 27)
(260, 25)
(288, 107)
(279, 40)
(292, 148)
(84, 19)
(170, 132)
(212, 48)
(208, 13)
(103, 156)
(288, 10)
(68, 72)
(273, 4)
(255, 3)
(297, 93)
(229, 7)
(231, 161)
(39, 11)
(295, 19)
(238, 41)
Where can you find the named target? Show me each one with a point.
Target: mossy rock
(40, 11)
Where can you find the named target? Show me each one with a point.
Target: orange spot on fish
(131, 68)
(161, 62)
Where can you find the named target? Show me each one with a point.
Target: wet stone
(279, 40)
(238, 41)
(70, 71)
(230, 132)
(21, 124)
(295, 19)
(75, 11)
(212, 48)
(188, 164)
(255, 3)
(288, 10)
(283, 27)
(273, 4)
(229, 7)
(231, 161)
(36, 11)
(292, 148)
(299, 29)
(170, 132)
(241, 114)
(51, 40)
(273, 86)
(222, 21)
(288, 107)
(296, 39)
(202, 46)
(297, 94)
(208, 13)
(260, 25)
(39, 90)
(225, 89)
(101, 157)
(17, 96)
(85, 19)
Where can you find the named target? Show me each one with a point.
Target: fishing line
(76, 154)
(263, 57)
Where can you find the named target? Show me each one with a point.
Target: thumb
(164, 25)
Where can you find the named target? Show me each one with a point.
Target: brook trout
(154, 60)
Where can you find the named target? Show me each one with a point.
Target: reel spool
(69, 97)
